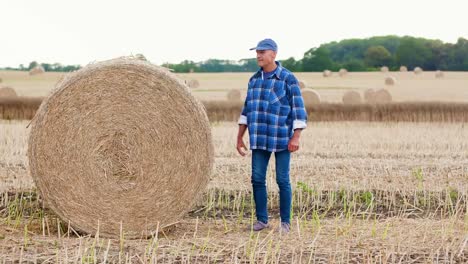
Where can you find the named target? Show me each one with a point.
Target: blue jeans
(260, 160)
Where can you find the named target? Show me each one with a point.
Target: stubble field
(363, 191)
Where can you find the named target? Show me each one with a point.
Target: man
(275, 115)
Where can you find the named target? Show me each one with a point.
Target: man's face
(265, 57)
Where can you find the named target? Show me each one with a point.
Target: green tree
(317, 59)
(377, 56)
(413, 52)
(32, 64)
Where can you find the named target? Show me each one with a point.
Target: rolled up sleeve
(298, 111)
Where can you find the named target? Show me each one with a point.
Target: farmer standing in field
(275, 115)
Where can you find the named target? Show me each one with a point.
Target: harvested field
(363, 192)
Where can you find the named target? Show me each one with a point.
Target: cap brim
(261, 48)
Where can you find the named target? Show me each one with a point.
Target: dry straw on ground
(6, 91)
(382, 96)
(403, 69)
(439, 74)
(343, 72)
(120, 145)
(418, 70)
(311, 97)
(193, 83)
(234, 95)
(390, 80)
(352, 97)
(37, 70)
(384, 69)
(327, 73)
(302, 85)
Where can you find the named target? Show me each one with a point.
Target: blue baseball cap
(266, 44)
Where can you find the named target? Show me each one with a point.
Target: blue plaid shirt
(273, 108)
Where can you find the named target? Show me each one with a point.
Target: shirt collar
(277, 73)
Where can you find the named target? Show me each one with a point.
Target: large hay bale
(327, 73)
(418, 70)
(403, 69)
(193, 83)
(352, 97)
(311, 97)
(120, 143)
(302, 85)
(6, 91)
(234, 95)
(37, 70)
(382, 96)
(369, 96)
(439, 74)
(384, 69)
(343, 72)
(390, 80)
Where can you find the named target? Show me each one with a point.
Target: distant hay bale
(384, 69)
(439, 74)
(6, 91)
(343, 72)
(418, 70)
(234, 95)
(369, 96)
(403, 69)
(120, 145)
(311, 97)
(382, 96)
(302, 85)
(193, 84)
(390, 80)
(352, 97)
(37, 70)
(327, 73)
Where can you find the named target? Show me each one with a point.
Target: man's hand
(293, 144)
(241, 148)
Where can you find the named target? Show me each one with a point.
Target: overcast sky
(82, 31)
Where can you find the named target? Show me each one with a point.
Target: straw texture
(352, 97)
(311, 97)
(7, 92)
(233, 95)
(120, 143)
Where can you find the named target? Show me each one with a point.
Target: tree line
(352, 54)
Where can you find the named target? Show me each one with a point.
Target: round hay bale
(352, 97)
(383, 96)
(369, 96)
(390, 80)
(384, 69)
(439, 74)
(120, 144)
(302, 85)
(343, 72)
(403, 69)
(37, 70)
(327, 73)
(234, 95)
(418, 70)
(193, 84)
(7, 92)
(311, 97)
